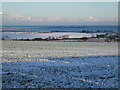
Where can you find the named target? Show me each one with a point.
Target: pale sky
(59, 13)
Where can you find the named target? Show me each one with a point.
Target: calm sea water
(64, 28)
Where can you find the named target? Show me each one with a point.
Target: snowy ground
(32, 35)
(59, 64)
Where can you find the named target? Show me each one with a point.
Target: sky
(59, 13)
(60, 0)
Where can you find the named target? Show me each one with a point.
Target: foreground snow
(66, 72)
(59, 64)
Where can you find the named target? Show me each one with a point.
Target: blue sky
(58, 13)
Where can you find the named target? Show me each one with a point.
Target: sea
(69, 28)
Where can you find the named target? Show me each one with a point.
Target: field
(41, 64)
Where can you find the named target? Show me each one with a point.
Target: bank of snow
(32, 35)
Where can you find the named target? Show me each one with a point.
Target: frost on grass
(59, 65)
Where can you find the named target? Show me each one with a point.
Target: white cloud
(47, 19)
(92, 19)
(19, 17)
(53, 19)
(29, 18)
(16, 16)
(1, 13)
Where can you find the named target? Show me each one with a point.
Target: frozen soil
(60, 65)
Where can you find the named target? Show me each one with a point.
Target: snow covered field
(32, 35)
(35, 64)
